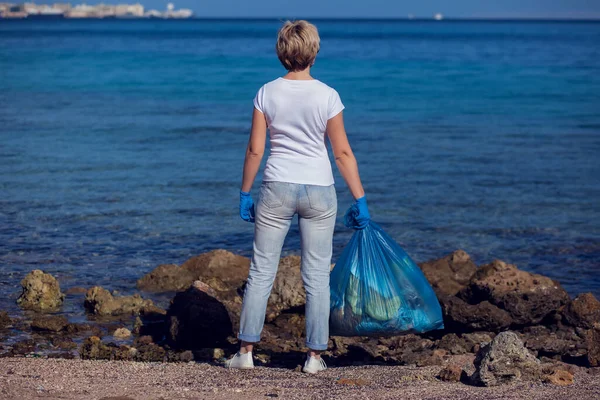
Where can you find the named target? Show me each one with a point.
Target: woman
(299, 112)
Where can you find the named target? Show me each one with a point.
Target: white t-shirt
(297, 112)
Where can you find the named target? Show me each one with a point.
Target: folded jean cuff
(249, 338)
(314, 346)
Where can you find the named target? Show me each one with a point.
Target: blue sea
(122, 142)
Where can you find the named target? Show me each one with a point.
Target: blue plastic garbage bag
(378, 290)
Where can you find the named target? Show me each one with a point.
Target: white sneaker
(240, 361)
(314, 365)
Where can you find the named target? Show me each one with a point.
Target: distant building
(64, 7)
(101, 10)
(128, 10)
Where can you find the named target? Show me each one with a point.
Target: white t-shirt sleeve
(335, 105)
(259, 99)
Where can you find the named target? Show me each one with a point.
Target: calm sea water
(121, 142)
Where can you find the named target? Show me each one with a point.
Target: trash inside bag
(377, 290)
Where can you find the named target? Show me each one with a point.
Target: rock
(99, 301)
(92, 348)
(505, 360)
(583, 311)
(593, 346)
(138, 325)
(122, 333)
(63, 343)
(564, 344)
(209, 354)
(464, 343)
(460, 316)
(450, 274)
(559, 377)
(528, 298)
(197, 320)
(22, 347)
(166, 278)
(149, 351)
(451, 373)
(54, 323)
(41, 292)
(220, 269)
(64, 354)
(290, 325)
(228, 268)
(288, 289)
(477, 340)
(4, 319)
(454, 344)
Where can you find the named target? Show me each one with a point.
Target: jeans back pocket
(321, 198)
(272, 194)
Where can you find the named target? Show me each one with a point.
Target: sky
(376, 8)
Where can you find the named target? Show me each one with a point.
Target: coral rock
(528, 298)
(41, 292)
(99, 301)
(583, 311)
(450, 274)
(505, 360)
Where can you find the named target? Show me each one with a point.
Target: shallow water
(121, 142)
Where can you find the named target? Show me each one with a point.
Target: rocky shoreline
(502, 325)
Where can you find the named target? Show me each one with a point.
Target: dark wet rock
(583, 311)
(179, 356)
(41, 292)
(406, 349)
(23, 347)
(450, 274)
(454, 344)
(209, 354)
(463, 343)
(53, 323)
(73, 328)
(564, 344)
(150, 352)
(101, 302)
(528, 298)
(459, 316)
(63, 343)
(93, 348)
(505, 360)
(291, 325)
(4, 320)
(197, 320)
(288, 289)
(218, 268)
(593, 346)
(75, 290)
(451, 373)
(63, 355)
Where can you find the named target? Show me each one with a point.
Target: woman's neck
(303, 75)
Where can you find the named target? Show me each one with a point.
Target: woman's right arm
(344, 157)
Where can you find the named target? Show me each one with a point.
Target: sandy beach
(34, 378)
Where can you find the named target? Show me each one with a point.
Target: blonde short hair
(297, 45)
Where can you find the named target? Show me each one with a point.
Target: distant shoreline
(332, 19)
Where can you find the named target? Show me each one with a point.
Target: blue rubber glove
(246, 207)
(357, 216)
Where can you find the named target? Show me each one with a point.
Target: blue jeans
(316, 207)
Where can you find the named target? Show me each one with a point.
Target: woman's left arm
(255, 150)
